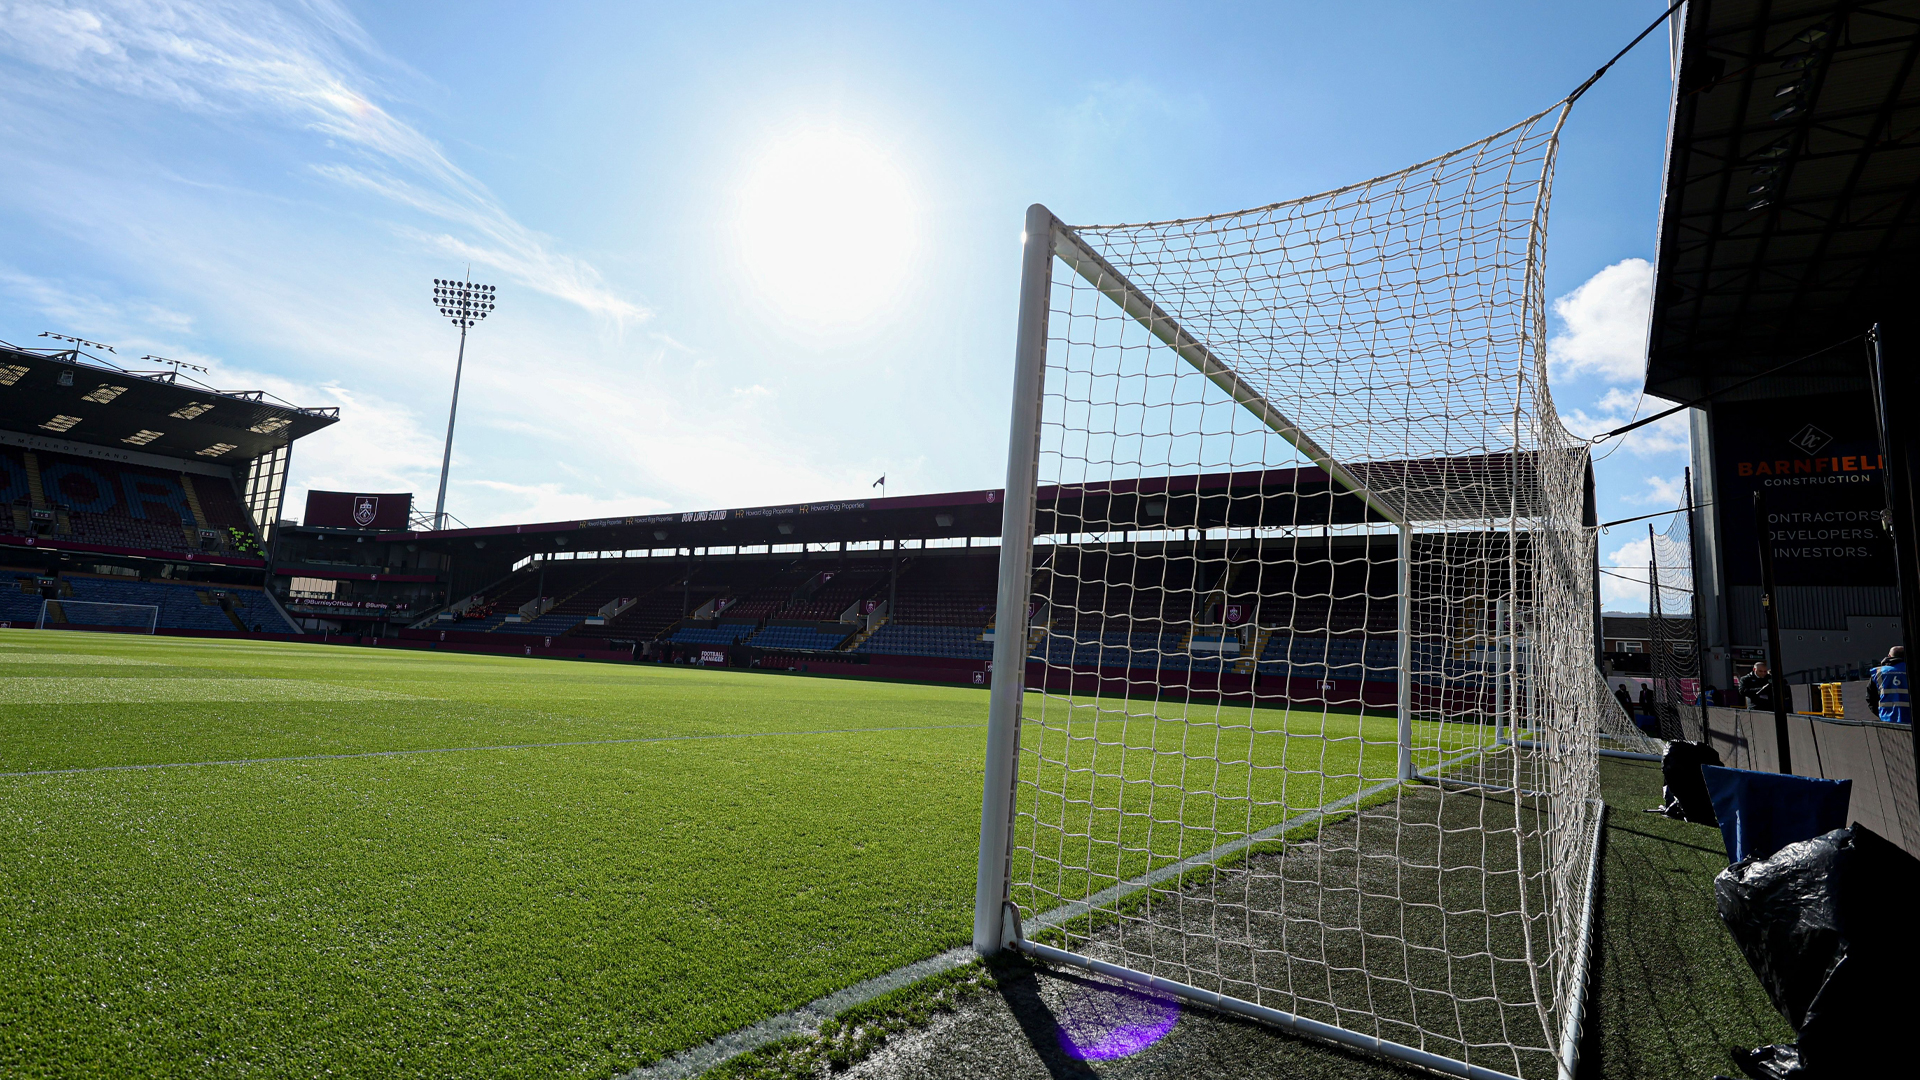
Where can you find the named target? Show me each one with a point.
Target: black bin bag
(1828, 925)
(1685, 789)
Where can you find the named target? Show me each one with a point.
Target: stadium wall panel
(1877, 757)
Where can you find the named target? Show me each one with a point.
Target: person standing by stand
(1887, 690)
(1757, 688)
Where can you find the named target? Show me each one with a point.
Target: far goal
(1295, 708)
(94, 615)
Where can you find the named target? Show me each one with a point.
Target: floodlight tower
(466, 304)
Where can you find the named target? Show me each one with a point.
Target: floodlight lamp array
(80, 342)
(464, 302)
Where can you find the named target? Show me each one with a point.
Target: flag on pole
(880, 483)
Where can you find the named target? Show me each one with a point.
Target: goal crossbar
(1111, 283)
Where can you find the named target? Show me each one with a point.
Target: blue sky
(269, 190)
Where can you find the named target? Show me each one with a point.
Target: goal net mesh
(1296, 464)
(95, 615)
(1670, 632)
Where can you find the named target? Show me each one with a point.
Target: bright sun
(827, 222)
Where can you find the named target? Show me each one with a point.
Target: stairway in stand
(853, 642)
(192, 528)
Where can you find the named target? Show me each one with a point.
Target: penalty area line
(478, 749)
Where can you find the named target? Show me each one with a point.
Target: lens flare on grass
(1100, 1023)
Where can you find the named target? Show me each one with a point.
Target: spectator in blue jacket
(1887, 689)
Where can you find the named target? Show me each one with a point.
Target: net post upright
(1405, 646)
(1499, 668)
(1005, 698)
(1895, 391)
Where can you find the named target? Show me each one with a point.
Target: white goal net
(1299, 567)
(94, 615)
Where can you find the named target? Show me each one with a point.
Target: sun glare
(827, 223)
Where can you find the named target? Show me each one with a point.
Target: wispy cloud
(246, 58)
(1604, 324)
(73, 305)
(1626, 571)
(1661, 491)
(1617, 408)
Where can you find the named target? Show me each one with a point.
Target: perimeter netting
(1672, 641)
(95, 615)
(1306, 524)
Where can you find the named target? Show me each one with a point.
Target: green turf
(1671, 993)
(570, 910)
(1114, 789)
(432, 883)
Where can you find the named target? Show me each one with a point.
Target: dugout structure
(1412, 876)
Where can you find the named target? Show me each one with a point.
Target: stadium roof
(1272, 497)
(67, 394)
(1791, 213)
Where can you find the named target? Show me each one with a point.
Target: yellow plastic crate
(1830, 700)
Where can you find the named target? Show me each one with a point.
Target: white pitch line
(801, 1021)
(807, 1018)
(478, 749)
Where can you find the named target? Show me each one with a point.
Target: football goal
(94, 615)
(1298, 598)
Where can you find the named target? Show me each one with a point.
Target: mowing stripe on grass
(808, 1018)
(478, 749)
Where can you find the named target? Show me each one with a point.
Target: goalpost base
(1567, 1060)
(1285, 1021)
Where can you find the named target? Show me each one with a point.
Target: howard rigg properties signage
(1817, 462)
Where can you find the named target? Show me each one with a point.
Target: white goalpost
(95, 615)
(1296, 709)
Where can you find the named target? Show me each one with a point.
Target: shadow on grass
(1204, 1043)
(1020, 989)
(1672, 994)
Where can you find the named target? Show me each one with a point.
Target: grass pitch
(240, 859)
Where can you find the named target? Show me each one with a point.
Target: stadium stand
(182, 605)
(806, 638)
(754, 598)
(942, 606)
(661, 591)
(946, 592)
(96, 501)
(1149, 611)
(724, 634)
(835, 592)
(19, 600)
(950, 642)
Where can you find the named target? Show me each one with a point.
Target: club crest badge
(365, 508)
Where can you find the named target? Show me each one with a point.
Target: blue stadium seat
(951, 642)
(798, 637)
(694, 635)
